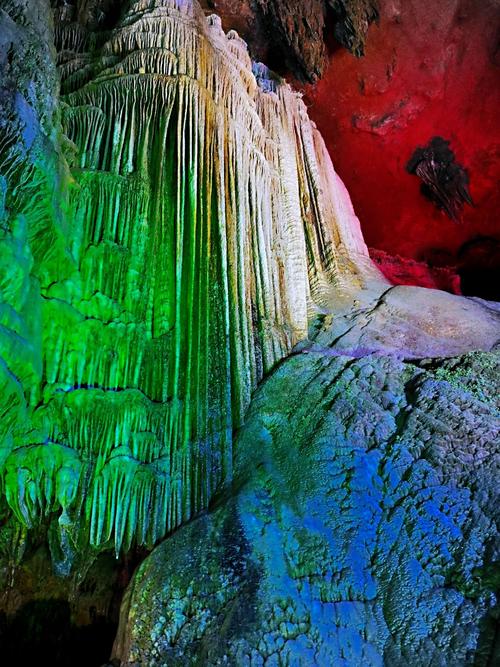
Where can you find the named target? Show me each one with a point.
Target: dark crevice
(58, 621)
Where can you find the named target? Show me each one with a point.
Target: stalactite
(206, 224)
(299, 26)
(353, 18)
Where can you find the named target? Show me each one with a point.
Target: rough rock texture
(353, 18)
(145, 293)
(32, 199)
(28, 84)
(360, 528)
(290, 32)
(407, 322)
(426, 69)
(299, 26)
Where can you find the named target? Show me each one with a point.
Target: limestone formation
(360, 528)
(179, 262)
(299, 27)
(203, 223)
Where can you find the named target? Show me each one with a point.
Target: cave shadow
(42, 632)
(479, 267)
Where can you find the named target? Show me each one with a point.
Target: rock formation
(366, 543)
(203, 222)
(429, 69)
(172, 231)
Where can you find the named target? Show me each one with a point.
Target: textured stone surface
(360, 530)
(353, 18)
(148, 292)
(145, 293)
(407, 322)
(33, 175)
(426, 70)
(291, 32)
(299, 27)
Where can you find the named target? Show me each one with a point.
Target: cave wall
(424, 70)
(429, 69)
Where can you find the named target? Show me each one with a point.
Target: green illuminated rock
(150, 288)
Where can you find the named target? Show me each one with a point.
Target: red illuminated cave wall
(431, 68)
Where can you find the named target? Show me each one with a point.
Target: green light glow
(158, 282)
